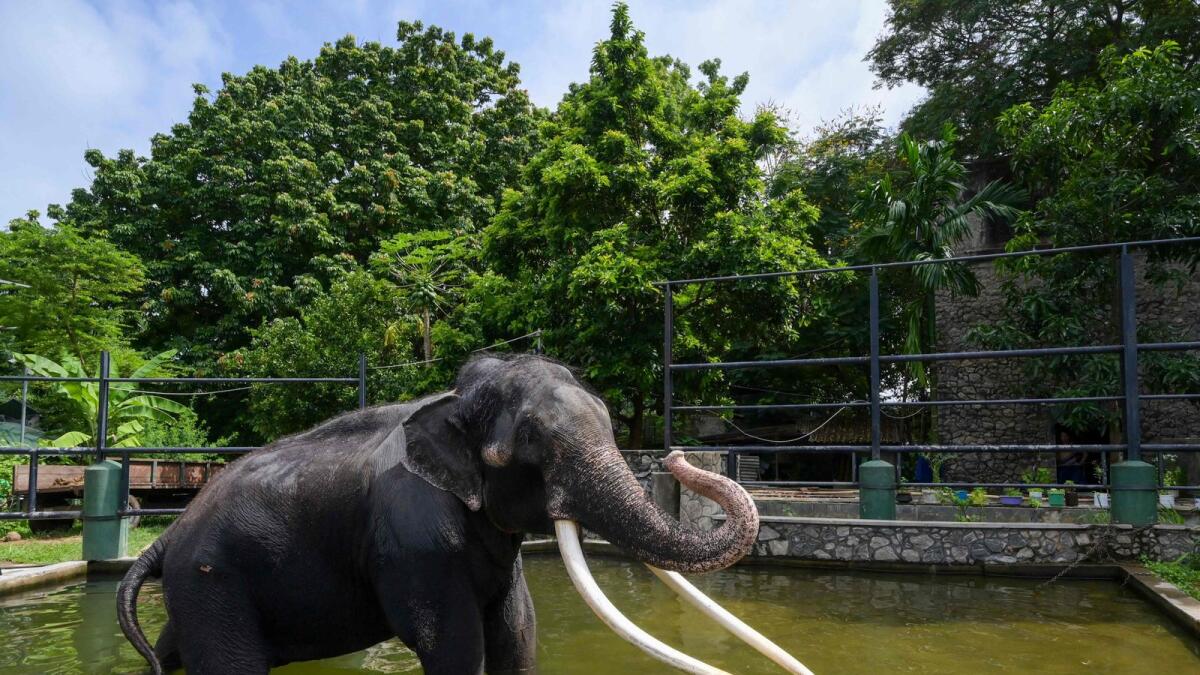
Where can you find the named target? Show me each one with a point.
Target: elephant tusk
(585, 584)
(730, 622)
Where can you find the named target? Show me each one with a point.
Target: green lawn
(64, 546)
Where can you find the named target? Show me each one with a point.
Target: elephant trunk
(614, 505)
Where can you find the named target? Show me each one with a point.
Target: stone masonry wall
(968, 543)
(983, 379)
(696, 511)
(1166, 313)
(644, 463)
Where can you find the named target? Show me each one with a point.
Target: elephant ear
(435, 448)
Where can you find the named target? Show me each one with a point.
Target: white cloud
(74, 75)
(806, 56)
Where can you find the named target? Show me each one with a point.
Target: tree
(78, 290)
(920, 212)
(429, 268)
(128, 411)
(286, 177)
(361, 313)
(1117, 160)
(834, 170)
(644, 176)
(977, 58)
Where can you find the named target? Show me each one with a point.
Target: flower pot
(1166, 500)
(903, 497)
(962, 495)
(1072, 498)
(1058, 499)
(1035, 494)
(1100, 499)
(929, 497)
(1008, 500)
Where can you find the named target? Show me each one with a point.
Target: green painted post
(877, 490)
(105, 535)
(1134, 493)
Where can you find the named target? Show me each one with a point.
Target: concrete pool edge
(15, 580)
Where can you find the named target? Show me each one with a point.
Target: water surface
(834, 621)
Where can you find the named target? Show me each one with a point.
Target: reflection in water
(836, 622)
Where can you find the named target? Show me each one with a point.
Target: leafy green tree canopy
(129, 411)
(979, 57)
(78, 292)
(287, 175)
(921, 211)
(1115, 160)
(644, 176)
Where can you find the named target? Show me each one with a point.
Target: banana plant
(128, 410)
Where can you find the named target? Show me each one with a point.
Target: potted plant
(1171, 478)
(1041, 475)
(1011, 497)
(1166, 496)
(978, 497)
(1058, 497)
(1100, 497)
(929, 496)
(1072, 494)
(903, 496)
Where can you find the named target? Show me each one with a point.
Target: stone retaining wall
(951, 543)
(643, 463)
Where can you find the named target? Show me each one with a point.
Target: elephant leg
(221, 632)
(167, 648)
(442, 625)
(510, 629)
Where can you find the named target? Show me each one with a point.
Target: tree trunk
(637, 424)
(428, 336)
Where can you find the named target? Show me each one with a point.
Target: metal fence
(1128, 350)
(101, 451)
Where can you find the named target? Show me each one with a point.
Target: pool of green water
(834, 621)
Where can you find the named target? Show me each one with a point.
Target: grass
(63, 546)
(1184, 573)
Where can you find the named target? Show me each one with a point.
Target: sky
(108, 75)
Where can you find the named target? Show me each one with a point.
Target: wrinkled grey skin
(406, 520)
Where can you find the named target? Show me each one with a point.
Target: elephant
(406, 520)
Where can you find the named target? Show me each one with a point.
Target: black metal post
(24, 404)
(876, 432)
(125, 465)
(1129, 359)
(31, 505)
(102, 408)
(668, 386)
(362, 381)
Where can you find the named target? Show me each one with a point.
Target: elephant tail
(149, 564)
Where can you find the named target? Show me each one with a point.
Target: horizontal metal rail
(1015, 448)
(104, 380)
(774, 406)
(935, 356)
(937, 261)
(129, 513)
(40, 515)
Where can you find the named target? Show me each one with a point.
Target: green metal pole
(105, 534)
(1134, 482)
